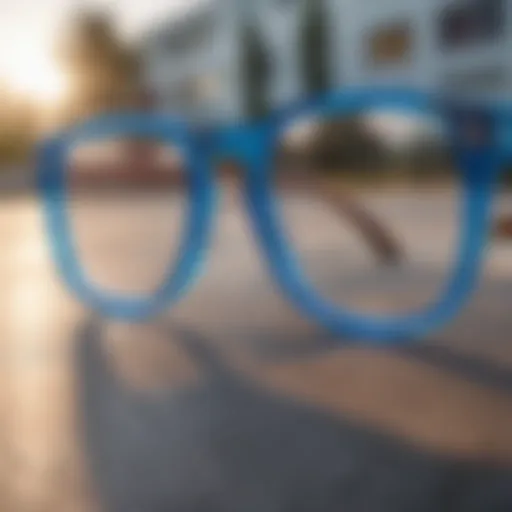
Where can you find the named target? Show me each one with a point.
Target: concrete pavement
(233, 401)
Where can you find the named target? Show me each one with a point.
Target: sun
(34, 74)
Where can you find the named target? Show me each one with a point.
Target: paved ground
(234, 402)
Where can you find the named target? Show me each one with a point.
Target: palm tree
(315, 47)
(103, 69)
(255, 67)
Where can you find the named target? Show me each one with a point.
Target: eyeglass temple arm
(503, 227)
(377, 236)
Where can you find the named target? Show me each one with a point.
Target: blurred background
(233, 400)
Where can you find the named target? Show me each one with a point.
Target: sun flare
(35, 75)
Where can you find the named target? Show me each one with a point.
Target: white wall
(279, 22)
(167, 72)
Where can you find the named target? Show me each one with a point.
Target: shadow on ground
(224, 444)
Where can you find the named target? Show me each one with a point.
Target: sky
(28, 28)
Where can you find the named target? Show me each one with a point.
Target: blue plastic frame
(253, 145)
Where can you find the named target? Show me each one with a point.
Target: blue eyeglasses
(425, 169)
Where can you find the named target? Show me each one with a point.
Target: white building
(192, 62)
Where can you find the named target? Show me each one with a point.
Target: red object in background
(139, 163)
(138, 166)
